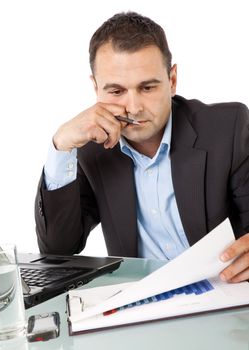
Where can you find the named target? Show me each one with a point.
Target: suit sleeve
(239, 179)
(65, 217)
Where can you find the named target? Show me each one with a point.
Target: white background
(44, 80)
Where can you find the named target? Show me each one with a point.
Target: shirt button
(149, 171)
(70, 173)
(70, 165)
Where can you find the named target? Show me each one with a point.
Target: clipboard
(88, 315)
(223, 296)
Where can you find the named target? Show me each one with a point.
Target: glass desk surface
(228, 330)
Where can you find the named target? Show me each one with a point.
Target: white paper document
(201, 261)
(222, 296)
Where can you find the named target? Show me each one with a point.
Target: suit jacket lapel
(117, 175)
(188, 175)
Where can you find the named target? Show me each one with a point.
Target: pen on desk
(126, 120)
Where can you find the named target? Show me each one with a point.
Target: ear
(94, 83)
(173, 79)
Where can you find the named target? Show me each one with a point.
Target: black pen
(126, 120)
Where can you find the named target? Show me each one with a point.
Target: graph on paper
(196, 288)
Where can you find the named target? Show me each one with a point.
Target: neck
(148, 148)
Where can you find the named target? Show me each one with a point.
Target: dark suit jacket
(210, 172)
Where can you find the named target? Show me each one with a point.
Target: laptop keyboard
(45, 276)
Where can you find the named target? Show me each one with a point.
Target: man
(156, 185)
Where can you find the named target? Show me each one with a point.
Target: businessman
(157, 182)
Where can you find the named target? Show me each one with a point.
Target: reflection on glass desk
(227, 330)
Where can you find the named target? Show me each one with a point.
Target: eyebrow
(141, 84)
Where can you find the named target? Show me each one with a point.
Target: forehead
(122, 66)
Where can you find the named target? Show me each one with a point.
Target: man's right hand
(97, 123)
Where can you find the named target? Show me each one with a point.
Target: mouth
(140, 123)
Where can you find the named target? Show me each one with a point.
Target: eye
(116, 92)
(148, 88)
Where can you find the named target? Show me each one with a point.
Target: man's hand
(238, 270)
(96, 124)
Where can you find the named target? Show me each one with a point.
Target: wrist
(60, 146)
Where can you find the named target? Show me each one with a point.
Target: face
(140, 83)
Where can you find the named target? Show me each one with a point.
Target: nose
(133, 104)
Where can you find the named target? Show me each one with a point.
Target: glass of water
(12, 313)
(19, 343)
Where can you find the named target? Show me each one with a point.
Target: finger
(111, 111)
(114, 109)
(111, 130)
(123, 124)
(239, 247)
(238, 266)
(97, 135)
(242, 276)
(111, 127)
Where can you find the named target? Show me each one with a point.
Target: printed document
(89, 307)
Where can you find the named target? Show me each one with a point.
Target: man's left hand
(238, 270)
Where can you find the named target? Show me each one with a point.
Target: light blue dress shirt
(161, 234)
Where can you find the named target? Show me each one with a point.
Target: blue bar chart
(196, 288)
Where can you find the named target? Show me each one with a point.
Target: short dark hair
(130, 32)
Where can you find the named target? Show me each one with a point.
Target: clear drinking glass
(19, 343)
(12, 313)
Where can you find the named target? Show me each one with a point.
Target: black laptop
(45, 276)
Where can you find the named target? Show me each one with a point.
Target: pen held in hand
(126, 120)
